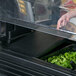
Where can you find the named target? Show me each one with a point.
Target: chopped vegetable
(64, 60)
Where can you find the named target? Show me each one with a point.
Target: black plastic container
(69, 48)
(36, 44)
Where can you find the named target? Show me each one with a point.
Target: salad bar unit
(30, 44)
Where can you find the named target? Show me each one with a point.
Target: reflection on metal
(70, 27)
(73, 37)
(14, 9)
(40, 18)
(41, 10)
(22, 6)
(2, 29)
(21, 1)
(73, 20)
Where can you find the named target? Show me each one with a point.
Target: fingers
(67, 19)
(58, 24)
(62, 21)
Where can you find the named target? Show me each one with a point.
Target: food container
(64, 53)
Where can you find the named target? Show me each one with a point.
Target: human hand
(63, 20)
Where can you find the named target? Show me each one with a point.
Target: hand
(63, 20)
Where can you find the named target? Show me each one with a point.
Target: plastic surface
(15, 64)
(36, 44)
(61, 51)
(40, 15)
